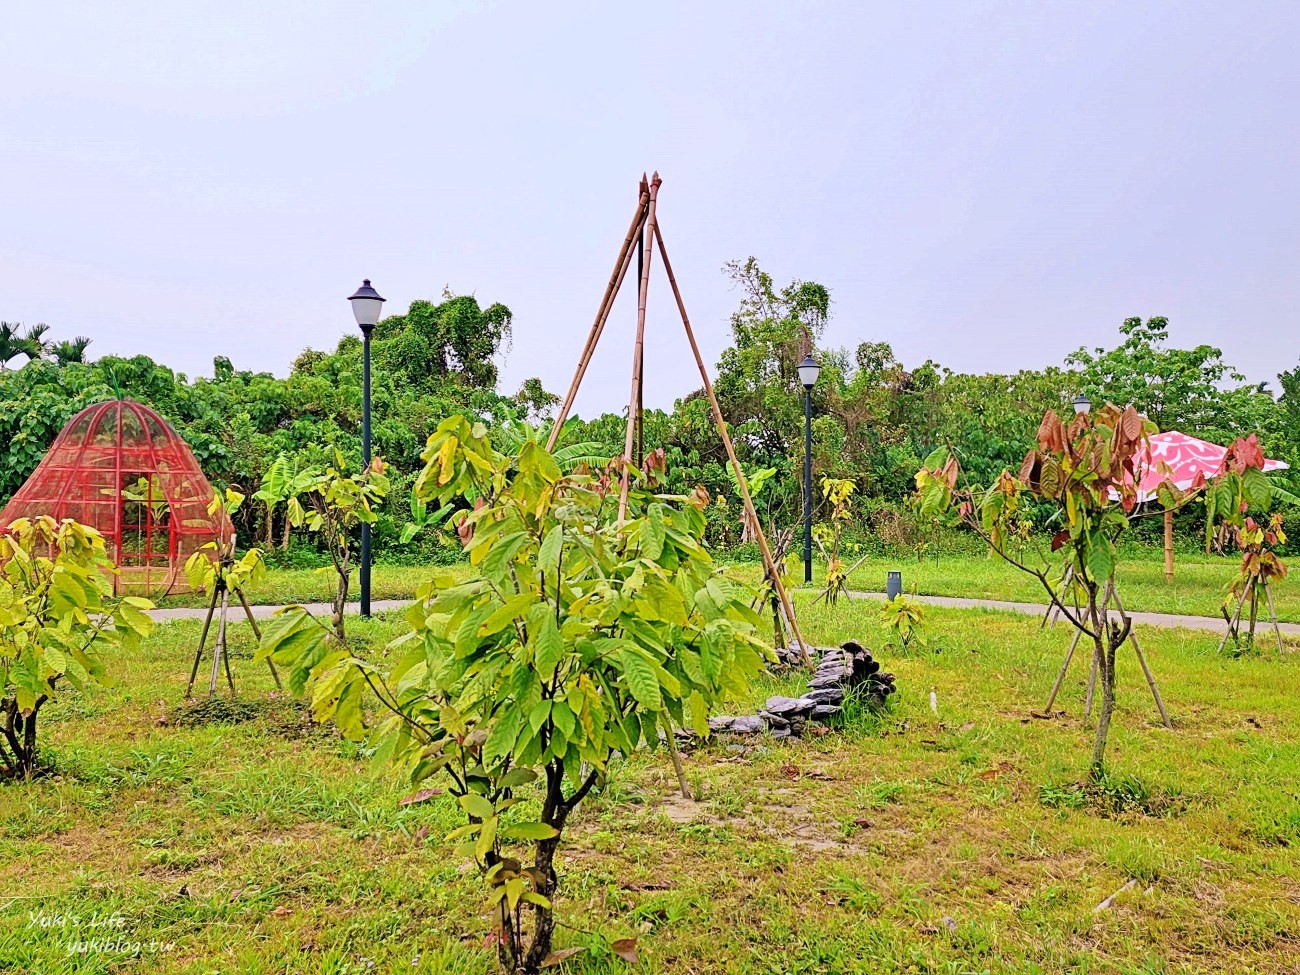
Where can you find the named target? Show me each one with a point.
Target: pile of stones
(844, 670)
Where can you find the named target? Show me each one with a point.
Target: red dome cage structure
(120, 468)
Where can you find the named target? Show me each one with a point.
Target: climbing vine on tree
(580, 637)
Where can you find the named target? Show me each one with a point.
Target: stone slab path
(1211, 623)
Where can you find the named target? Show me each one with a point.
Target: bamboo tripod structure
(642, 237)
(1252, 591)
(221, 597)
(1111, 594)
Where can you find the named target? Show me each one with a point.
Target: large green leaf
(642, 681)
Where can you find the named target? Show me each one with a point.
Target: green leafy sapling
(57, 617)
(579, 638)
(334, 504)
(904, 621)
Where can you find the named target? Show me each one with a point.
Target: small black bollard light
(894, 584)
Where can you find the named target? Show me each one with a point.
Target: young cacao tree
(334, 504)
(1240, 500)
(57, 616)
(579, 638)
(1085, 470)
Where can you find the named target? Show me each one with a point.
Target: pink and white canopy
(1179, 458)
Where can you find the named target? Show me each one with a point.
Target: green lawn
(1199, 586)
(915, 842)
(318, 585)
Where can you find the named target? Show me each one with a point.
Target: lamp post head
(1082, 404)
(366, 304)
(809, 370)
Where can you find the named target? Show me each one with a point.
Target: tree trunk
(1106, 657)
(341, 601)
(288, 527)
(270, 528)
(543, 917)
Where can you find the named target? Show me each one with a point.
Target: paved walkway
(1216, 624)
(236, 615)
(1211, 623)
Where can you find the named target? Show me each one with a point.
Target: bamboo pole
(203, 638)
(218, 647)
(1268, 591)
(768, 562)
(1151, 680)
(1060, 678)
(1169, 545)
(257, 634)
(638, 351)
(639, 455)
(602, 313)
(1232, 623)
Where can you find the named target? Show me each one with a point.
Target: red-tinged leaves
(1051, 434)
(1060, 538)
(1029, 467)
(625, 948)
(423, 795)
(560, 956)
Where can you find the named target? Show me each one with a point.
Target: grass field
(1199, 586)
(913, 842)
(1200, 582)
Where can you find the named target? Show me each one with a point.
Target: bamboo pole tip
(655, 180)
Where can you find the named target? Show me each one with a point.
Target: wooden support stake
(677, 760)
(1092, 684)
(1169, 545)
(1060, 678)
(768, 562)
(638, 353)
(257, 634)
(1268, 591)
(203, 638)
(219, 647)
(1232, 623)
(1151, 680)
(602, 313)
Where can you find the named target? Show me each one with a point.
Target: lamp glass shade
(366, 305)
(1082, 404)
(809, 370)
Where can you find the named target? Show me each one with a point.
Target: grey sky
(985, 184)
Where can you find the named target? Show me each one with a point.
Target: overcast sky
(986, 184)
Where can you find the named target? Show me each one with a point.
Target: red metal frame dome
(120, 468)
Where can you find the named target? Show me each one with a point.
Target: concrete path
(236, 615)
(1215, 624)
(1211, 623)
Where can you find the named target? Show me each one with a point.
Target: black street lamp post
(366, 304)
(808, 373)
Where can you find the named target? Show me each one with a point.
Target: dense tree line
(875, 418)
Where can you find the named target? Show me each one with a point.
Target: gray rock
(779, 705)
(822, 711)
(749, 724)
(776, 721)
(780, 732)
(823, 681)
(826, 695)
(721, 723)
